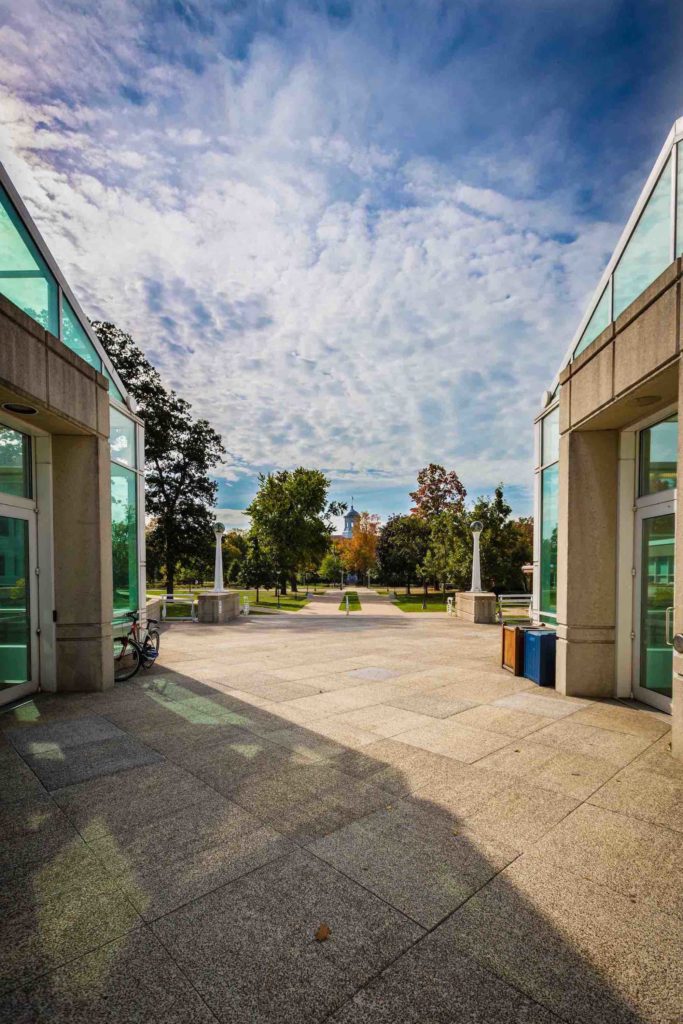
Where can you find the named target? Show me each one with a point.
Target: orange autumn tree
(359, 554)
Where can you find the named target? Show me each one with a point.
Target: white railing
(514, 607)
(178, 600)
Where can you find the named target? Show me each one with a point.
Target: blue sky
(356, 236)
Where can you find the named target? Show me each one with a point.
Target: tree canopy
(438, 490)
(401, 547)
(359, 553)
(291, 518)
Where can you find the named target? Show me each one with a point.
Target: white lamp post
(476, 528)
(219, 530)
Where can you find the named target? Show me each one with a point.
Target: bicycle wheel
(150, 648)
(126, 658)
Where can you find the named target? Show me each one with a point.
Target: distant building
(350, 520)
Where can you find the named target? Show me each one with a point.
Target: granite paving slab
(644, 794)
(433, 983)
(249, 948)
(583, 951)
(131, 980)
(446, 736)
(415, 859)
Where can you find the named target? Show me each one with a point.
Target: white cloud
(322, 297)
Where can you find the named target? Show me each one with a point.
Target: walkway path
(363, 820)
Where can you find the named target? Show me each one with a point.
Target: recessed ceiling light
(648, 399)
(19, 409)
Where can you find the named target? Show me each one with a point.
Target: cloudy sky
(355, 235)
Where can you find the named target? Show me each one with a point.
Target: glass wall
(548, 513)
(658, 457)
(15, 618)
(122, 438)
(75, 338)
(124, 528)
(601, 318)
(24, 277)
(679, 202)
(648, 250)
(15, 463)
(550, 478)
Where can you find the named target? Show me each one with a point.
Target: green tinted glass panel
(124, 529)
(24, 277)
(75, 338)
(550, 437)
(648, 251)
(658, 457)
(657, 595)
(679, 202)
(113, 390)
(549, 519)
(15, 619)
(121, 437)
(601, 318)
(15, 462)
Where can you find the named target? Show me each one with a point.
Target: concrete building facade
(71, 478)
(608, 555)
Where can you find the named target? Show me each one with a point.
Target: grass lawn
(413, 602)
(354, 602)
(267, 600)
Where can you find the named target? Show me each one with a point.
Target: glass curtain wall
(124, 513)
(549, 513)
(657, 236)
(26, 280)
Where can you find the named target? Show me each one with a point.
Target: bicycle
(136, 648)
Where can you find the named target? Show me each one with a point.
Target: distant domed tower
(350, 520)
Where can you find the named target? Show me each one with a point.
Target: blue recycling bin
(539, 656)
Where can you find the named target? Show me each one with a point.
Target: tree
(401, 547)
(438, 564)
(331, 565)
(437, 491)
(179, 453)
(359, 554)
(291, 518)
(506, 545)
(255, 571)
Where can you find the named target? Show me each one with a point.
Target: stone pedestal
(480, 607)
(219, 606)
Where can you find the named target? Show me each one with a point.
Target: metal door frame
(20, 511)
(650, 510)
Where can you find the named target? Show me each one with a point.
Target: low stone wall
(475, 607)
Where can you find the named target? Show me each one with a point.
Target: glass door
(655, 547)
(18, 604)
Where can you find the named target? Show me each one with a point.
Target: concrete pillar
(83, 562)
(587, 563)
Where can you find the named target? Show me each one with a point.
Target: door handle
(667, 626)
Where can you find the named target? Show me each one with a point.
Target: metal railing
(514, 607)
(178, 602)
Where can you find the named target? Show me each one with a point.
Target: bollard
(449, 605)
(347, 604)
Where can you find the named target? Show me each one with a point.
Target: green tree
(506, 545)
(401, 548)
(291, 518)
(256, 570)
(180, 451)
(438, 490)
(331, 566)
(439, 563)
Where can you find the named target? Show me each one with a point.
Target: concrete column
(587, 563)
(83, 562)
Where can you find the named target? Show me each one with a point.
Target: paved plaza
(310, 817)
